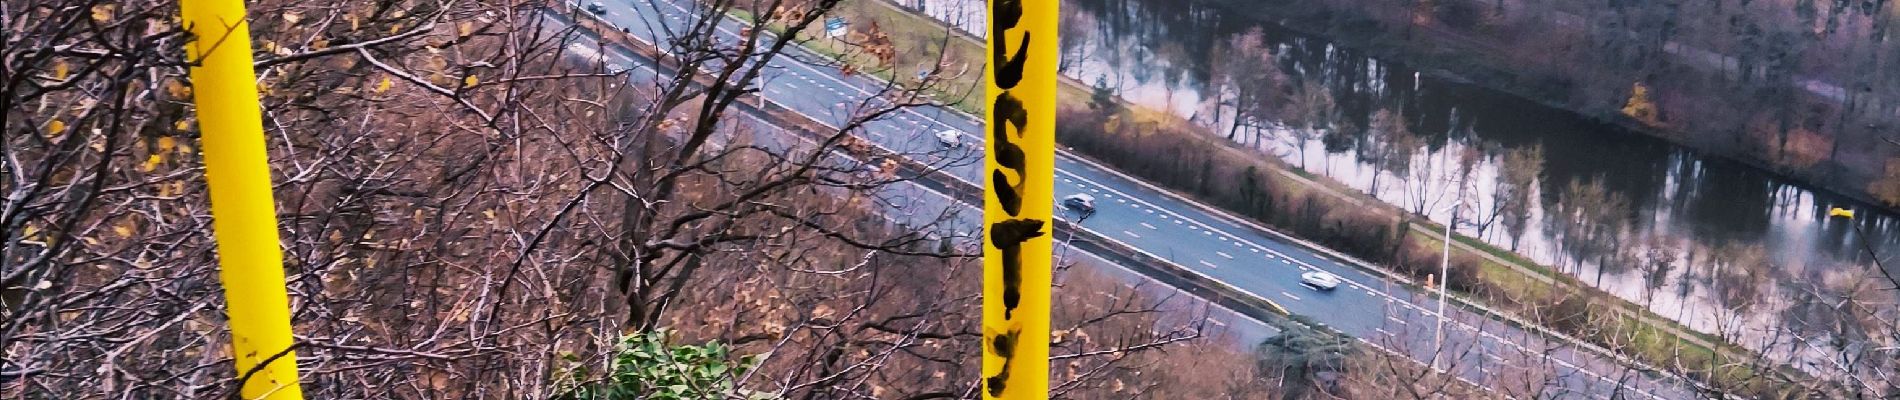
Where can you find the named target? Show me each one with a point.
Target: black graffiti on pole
(1004, 344)
(1008, 235)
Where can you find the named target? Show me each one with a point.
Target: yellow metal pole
(1019, 198)
(244, 216)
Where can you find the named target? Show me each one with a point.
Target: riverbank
(1852, 168)
(1657, 340)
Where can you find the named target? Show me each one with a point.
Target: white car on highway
(1320, 280)
(1079, 202)
(950, 138)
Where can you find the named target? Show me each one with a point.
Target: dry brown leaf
(177, 89)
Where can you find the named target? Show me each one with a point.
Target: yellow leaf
(470, 81)
(293, 17)
(102, 12)
(465, 28)
(31, 233)
(59, 70)
(1840, 212)
(353, 20)
(183, 125)
(151, 163)
(490, 213)
(166, 143)
(123, 230)
(319, 43)
(55, 128)
(383, 87)
(394, 28)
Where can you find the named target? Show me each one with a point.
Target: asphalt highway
(1378, 311)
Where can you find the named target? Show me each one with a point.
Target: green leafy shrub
(645, 366)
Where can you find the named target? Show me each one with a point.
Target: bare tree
(1517, 182)
(1312, 111)
(476, 200)
(1393, 147)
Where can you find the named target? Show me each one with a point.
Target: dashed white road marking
(1146, 225)
(1208, 264)
(1131, 234)
(1230, 257)
(1289, 295)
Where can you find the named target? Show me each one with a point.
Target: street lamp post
(1444, 265)
(1444, 269)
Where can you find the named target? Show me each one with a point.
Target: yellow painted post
(1019, 198)
(243, 214)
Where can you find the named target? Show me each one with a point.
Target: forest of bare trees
(473, 205)
(473, 208)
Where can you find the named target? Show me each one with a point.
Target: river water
(1159, 53)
